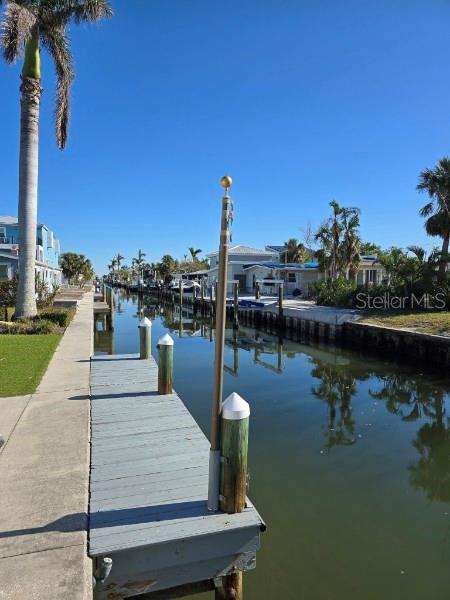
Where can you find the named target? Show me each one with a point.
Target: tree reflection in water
(337, 387)
(412, 399)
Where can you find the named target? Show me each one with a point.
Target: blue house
(48, 252)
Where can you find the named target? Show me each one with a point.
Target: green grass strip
(437, 323)
(23, 361)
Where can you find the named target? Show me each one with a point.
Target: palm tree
(437, 183)
(28, 26)
(139, 262)
(119, 258)
(295, 252)
(340, 242)
(194, 253)
(351, 242)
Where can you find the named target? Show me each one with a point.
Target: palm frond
(55, 41)
(83, 10)
(15, 29)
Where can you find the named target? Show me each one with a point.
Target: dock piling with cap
(145, 338)
(165, 371)
(234, 477)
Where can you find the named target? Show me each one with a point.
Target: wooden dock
(148, 491)
(101, 308)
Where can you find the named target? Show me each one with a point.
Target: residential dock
(148, 491)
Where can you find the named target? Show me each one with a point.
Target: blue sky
(301, 101)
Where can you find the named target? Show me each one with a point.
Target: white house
(239, 257)
(248, 265)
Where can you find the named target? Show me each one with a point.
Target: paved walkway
(44, 470)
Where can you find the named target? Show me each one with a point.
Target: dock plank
(149, 478)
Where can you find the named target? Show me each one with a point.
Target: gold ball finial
(226, 182)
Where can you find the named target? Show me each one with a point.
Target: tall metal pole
(221, 299)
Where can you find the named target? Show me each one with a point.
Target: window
(291, 278)
(371, 276)
(2, 231)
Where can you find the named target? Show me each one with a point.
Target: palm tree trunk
(444, 258)
(28, 182)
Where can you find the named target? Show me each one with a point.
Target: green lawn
(23, 361)
(437, 323)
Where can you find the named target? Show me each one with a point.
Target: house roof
(8, 220)
(245, 250)
(276, 248)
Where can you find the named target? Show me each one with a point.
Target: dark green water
(349, 460)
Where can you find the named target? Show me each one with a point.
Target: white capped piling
(145, 338)
(165, 370)
(234, 450)
(233, 478)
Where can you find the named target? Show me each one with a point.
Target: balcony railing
(6, 240)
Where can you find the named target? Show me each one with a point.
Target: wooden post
(145, 338)
(181, 294)
(257, 291)
(165, 370)
(231, 588)
(211, 305)
(236, 306)
(280, 302)
(233, 480)
(234, 447)
(111, 310)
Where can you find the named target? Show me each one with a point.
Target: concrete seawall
(44, 470)
(412, 346)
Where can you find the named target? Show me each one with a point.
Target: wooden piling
(231, 588)
(280, 302)
(235, 423)
(236, 305)
(145, 338)
(257, 291)
(165, 370)
(233, 480)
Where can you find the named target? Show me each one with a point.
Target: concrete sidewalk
(44, 475)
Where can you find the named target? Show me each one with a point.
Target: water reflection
(337, 379)
(337, 387)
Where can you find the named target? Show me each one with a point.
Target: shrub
(60, 316)
(335, 292)
(40, 326)
(25, 326)
(8, 292)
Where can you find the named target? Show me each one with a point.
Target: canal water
(349, 458)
